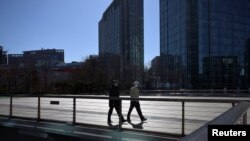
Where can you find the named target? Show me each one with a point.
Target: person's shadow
(137, 125)
(113, 126)
(116, 126)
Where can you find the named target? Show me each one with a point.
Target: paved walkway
(165, 117)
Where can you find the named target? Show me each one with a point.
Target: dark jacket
(114, 93)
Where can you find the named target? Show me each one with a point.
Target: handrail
(172, 99)
(198, 91)
(193, 91)
(227, 118)
(182, 100)
(203, 90)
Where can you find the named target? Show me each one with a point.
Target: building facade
(3, 56)
(48, 57)
(121, 39)
(156, 65)
(203, 43)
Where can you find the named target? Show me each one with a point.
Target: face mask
(116, 84)
(136, 85)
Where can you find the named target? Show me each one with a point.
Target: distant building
(203, 43)
(152, 78)
(45, 56)
(3, 56)
(68, 67)
(42, 57)
(121, 39)
(155, 65)
(92, 58)
(16, 59)
(64, 71)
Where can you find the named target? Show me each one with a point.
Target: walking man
(134, 93)
(113, 103)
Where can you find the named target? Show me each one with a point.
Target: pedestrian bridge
(55, 117)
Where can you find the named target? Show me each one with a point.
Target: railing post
(233, 104)
(245, 119)
(120, 117)
(39, 109)
(183, 118)
(11, 106)
(74, 111)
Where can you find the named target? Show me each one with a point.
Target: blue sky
(71, 25)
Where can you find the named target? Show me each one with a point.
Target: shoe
(144, 119)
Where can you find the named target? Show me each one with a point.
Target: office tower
(203, 43)
(121, 39)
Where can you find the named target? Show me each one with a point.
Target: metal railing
(230, 117)
(206, 92)
(176, 116)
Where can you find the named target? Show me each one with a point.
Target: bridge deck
(166, 115)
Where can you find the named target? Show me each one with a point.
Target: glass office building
(121, 39)
(204, 44)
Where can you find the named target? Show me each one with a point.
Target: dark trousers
(135, 104)
(117, 106)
